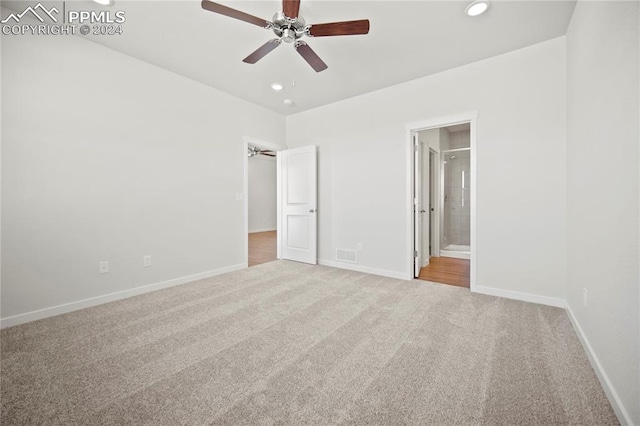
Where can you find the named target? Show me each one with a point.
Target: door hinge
(415, 148)
(415, 253)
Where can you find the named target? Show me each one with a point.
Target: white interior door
(417, 205)
(297, 204)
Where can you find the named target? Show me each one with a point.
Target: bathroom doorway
(444, 202)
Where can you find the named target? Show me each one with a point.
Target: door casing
(417, 205)
(437, 122)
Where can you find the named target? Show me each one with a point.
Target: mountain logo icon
(34, 11)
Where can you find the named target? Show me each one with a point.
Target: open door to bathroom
(443, 203)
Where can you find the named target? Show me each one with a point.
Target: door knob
(312, 210)
(423, 211)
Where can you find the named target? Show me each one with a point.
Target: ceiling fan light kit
(290, 28)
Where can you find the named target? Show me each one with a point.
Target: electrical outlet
(146, 261)
(103, 267)
(239, 196)
(585, 298)
(359, 246)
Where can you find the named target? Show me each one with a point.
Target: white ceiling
(407, 40)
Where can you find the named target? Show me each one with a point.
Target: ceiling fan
(253, 151)
(289, 27)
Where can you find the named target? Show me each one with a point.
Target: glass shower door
(456, 202)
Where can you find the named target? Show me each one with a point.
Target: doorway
(260, 201)
(443, 198)
(291, 193)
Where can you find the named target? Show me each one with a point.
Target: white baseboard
(609, 390)
(364, 269)
(99, 300)
(516, 295)
(253, 231)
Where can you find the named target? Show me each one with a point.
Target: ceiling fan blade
(262, 51)
(340, 28)
(233, 13)
(310, 56)
(291, 8)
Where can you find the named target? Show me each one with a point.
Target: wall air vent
(344, 255)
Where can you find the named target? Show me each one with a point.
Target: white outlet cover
(239, 196)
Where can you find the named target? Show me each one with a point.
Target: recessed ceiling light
(288, 102)
(277, 86)
(104, 2)
(477, 8)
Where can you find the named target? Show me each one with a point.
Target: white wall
(363, 167)
(105, 157)
(602, 192)
(431, 138)
(262, 193)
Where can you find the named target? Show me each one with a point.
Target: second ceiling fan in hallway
(289, 27)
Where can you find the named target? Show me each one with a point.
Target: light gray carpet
(287, 343)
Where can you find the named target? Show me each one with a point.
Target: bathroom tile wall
(459, 139)
(457, 211)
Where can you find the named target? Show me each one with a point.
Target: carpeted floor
(287, 343)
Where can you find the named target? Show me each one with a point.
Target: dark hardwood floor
(447, 270)
(262, 247)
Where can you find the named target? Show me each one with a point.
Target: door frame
(246, 141)
(434, 123)
(418, 178)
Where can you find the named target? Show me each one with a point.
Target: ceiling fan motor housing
(288, 29)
